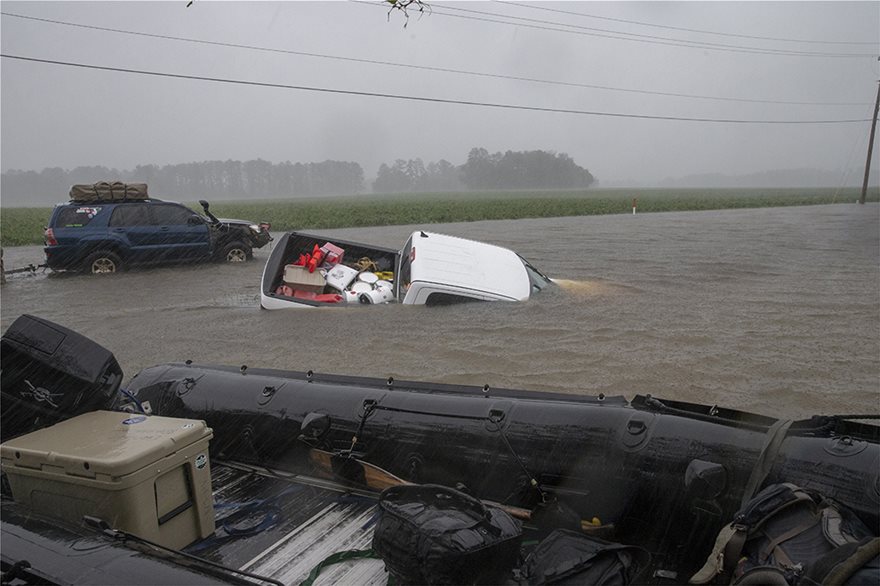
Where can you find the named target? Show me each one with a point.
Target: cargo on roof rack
(107, 191)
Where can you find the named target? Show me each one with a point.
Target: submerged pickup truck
(307, 270)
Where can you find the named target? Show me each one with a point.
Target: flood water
(775, 311)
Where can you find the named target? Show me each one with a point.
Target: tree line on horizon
(189, 181)
(509, 170)
(263, 179)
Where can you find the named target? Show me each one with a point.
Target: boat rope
(658, 405)
(377, 407)
(371, 405)
(821, 424)
(134, 399)
(858, 416)
(339, 557)
(230, 524)
(533, 482)
(233, 524)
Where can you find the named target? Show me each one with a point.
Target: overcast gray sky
(63, 116)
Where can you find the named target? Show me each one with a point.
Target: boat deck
(282, 526)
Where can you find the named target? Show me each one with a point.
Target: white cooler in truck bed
(149, 476)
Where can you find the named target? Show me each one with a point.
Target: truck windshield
(537, 279)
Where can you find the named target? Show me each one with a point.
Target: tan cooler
(149, 476)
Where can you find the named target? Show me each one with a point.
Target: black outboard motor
(49, 373)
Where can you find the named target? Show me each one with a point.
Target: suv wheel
(235, 252)
(102, 262)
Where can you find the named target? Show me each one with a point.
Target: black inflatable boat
(298, 460)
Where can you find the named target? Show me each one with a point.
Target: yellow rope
(366, 264)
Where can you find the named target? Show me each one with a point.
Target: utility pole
(870, 147)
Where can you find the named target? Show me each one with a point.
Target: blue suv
(106, 236)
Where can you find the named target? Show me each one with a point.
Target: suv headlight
(255, 228)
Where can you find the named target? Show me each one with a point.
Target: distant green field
(21, 226)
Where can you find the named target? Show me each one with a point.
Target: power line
(425, 67)
(690, 30)
(640, 38)
(422, 98)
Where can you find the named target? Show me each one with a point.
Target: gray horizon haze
(652, 68)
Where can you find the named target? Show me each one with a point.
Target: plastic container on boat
(149, 476)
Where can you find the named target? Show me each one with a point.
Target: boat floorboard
(282, 527)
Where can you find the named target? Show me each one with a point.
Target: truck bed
(291, 245)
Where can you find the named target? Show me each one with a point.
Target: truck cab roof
(471, 266)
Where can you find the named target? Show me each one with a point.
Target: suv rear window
(75, 216)
(137, 214)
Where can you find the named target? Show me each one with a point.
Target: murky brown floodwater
(774, 310)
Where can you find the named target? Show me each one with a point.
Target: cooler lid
(103, 442)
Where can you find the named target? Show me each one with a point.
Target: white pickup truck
(306, 270)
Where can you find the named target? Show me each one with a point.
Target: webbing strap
(773, 545)
(733, 548)
(842, 572)
(336, 558)
(716, 561)
(775, 437)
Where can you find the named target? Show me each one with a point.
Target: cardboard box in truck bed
(299, 278)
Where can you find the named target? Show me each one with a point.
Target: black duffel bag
(569, 557)
(431, 534)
